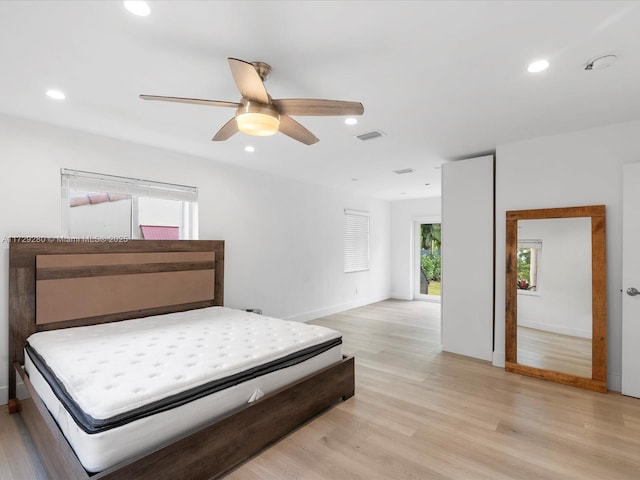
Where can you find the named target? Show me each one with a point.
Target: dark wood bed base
(204, 454)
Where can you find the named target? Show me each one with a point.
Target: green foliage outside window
(430, 236)
(430, 264)
(524, 266)
(430, 240)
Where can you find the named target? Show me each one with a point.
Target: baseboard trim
(574, 332)
(401, 296)
(498, 359)
(614, 382)
(4, 392)
(323, 312)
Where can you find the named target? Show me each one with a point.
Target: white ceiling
(443, 80)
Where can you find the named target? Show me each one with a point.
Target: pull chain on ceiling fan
(258, 114)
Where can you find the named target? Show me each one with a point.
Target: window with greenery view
(430, 260)
(528, 262)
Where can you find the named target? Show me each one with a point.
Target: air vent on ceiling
(370, 135)
(403, 171)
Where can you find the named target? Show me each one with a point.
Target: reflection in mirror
(554, 294)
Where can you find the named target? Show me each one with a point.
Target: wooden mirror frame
(598, 380)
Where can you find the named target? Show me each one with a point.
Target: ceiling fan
(258, 114)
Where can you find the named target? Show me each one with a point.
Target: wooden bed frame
(44, 274)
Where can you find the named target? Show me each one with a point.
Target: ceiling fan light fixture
(257, 124)
(257, 120)
(258, 114)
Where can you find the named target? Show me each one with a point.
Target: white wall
(562, 301)
(579, 168)
(467, 261)
(107, 219)
(404, 214)
(158, 211)
(284, 239)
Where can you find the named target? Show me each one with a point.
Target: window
(356, 241)
(529, 265)
(430, 239)
(103, 206)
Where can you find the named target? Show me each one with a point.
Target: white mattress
(111, 369)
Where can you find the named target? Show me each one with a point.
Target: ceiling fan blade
(293, 129)
(197, 101)
(248, 81)
(316, 107)
(228, 129)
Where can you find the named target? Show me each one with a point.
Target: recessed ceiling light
(355, 179)
(249, 148)
(137, 7)
(351, 121)
(56, 94)
(538, 66)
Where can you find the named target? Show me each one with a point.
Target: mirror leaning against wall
(556, 298)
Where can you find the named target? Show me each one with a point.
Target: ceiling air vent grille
(403, 171)
(370, 135)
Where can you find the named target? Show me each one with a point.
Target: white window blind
(356, 241)
(97, 182)
(530, 244)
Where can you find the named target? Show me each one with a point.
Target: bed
(120, 294)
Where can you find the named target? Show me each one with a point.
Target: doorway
(427, 260)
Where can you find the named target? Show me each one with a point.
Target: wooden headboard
(60, 283)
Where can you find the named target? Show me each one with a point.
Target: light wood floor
(553, 351)
(422, 414)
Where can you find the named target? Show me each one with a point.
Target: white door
(631, 280)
